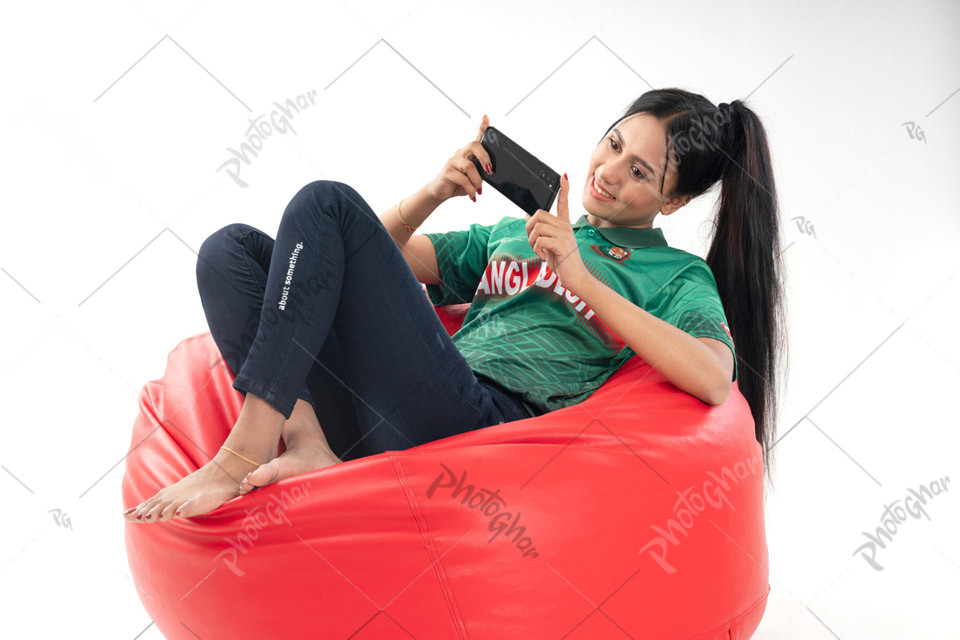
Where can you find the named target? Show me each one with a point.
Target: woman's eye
(638, 174)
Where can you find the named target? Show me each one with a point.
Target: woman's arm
(416, 209)
(416, 249)
(695, 365)
(458, 177)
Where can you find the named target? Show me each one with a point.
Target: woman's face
(628, 164)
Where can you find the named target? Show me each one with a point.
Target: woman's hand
(552, 238)
(459, 177)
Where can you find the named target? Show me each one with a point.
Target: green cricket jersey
(529, 334)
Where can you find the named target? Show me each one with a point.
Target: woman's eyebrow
(634, 156)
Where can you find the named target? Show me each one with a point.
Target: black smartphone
(517, 174)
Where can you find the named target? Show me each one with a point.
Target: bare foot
(306, 450)
(255, 435)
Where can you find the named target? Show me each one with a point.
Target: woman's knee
(327, 189)
(219, 244)
(328, 195)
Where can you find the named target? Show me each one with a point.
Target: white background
(118, 115)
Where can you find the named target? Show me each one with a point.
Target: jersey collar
(627, 236)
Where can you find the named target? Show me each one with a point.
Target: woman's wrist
(404, 216)
(416, 208)
(424, 203)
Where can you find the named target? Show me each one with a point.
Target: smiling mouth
(600, 190)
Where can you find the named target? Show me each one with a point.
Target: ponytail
(728, 144)
(745, 257)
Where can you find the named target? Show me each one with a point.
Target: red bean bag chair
(636, 513)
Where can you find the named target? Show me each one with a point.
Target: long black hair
(707, 143)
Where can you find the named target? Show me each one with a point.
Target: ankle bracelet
(241, 456)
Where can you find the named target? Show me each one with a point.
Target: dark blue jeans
(331, 312)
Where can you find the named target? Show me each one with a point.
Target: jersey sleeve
(462, 257)
(691, 302)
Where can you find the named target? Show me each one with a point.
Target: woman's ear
(672, 204)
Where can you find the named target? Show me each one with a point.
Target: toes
(178, 509)
(185, 510)
(247, 485)
(135, 516)
(244, 485)
(150, 515)
(141, 510)
(167, 513)
(263, 475)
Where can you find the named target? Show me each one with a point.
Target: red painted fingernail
(130, 509)
(480, 189)
(177, 512)
(565, 176)
(139, 516)
(489, 168)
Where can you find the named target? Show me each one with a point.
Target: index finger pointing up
(484, 123)
(562, 212)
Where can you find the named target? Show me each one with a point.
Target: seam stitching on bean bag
(732, 623)
(428, 542)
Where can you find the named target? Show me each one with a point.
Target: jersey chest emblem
(617, 253)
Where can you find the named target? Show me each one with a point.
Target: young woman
(339, 352)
